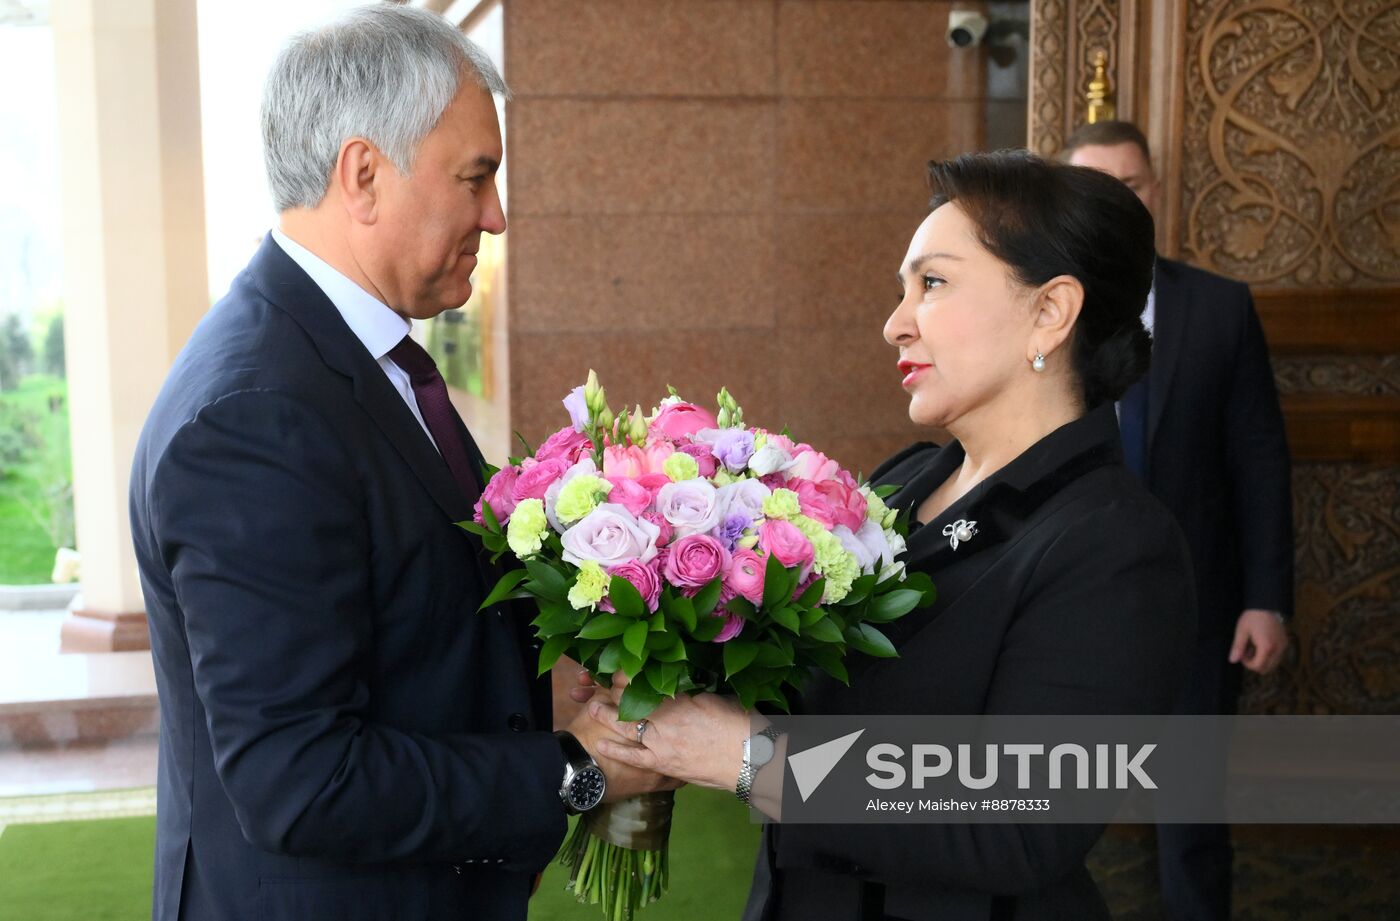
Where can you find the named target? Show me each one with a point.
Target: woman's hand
(698, 739)
(573, 687)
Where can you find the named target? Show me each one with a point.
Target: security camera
(966, 29)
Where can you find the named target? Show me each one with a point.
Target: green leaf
(824, 631)
(708, 628)
(871, 641)
(664, 677)
(747, 687)
(604, 626)
(813, 595)
(488, 517)
(638, 700)
(860, 590)
(529, 452)
(788, 618)
(555, 619)
(889, 489)
(626, 599)
(893, 605)
(550, 652)
(776, 590)
(679, 608)
(829, 660)
(673, 653)
(610, 659)
(474, 528)
(505, 588)
(770, 656)
(635, 637)
(811, 616)
(658, 622)
(632, 665)
(707, 598)
(548, 582)
(738, 655)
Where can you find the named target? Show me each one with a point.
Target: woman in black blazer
(1063, 586)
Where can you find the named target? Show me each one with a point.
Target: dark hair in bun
(1045, 219)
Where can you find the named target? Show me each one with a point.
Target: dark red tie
(431, 393)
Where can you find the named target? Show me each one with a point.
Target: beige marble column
(134, 266)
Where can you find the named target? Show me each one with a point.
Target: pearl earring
(1039, 362)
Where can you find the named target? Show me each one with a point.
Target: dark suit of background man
(343, 736)
(1205, 432)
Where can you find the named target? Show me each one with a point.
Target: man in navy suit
(343, 735)
(1205, 432)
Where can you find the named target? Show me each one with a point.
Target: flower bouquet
(691, 553)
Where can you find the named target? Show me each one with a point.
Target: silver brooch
(959, 532)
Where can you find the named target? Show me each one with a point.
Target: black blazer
(1217, 453)
(339, 726)
(1074, 597)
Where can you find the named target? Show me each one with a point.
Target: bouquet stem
(618, 855)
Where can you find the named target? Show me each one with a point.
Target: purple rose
(743, 498)
(578, 408)
(695, 562)
(644, 577)
(690, 506)
(610, 536)
(733, 448)
(732, 528)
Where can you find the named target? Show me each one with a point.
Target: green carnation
(833, 562)
(680, 467)
(590, 586)
(526, 529)
(580, 496)
(782, 504)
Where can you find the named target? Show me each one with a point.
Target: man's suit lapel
(1168, 331)
(284, 283)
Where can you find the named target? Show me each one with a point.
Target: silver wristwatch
(758, 751)
(584, 782)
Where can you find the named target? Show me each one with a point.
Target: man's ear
(358, 172)
(1057, 306)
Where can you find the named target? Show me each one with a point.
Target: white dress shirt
(371, 320)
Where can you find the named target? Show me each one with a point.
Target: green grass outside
(26, 547)
(101, 870)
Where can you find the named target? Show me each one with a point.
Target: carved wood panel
(1290, 171)
(1066, 35)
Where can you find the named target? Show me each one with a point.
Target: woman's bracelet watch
(758, 751)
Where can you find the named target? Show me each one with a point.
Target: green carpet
(100, 870)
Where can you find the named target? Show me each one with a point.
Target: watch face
(760, 750)
(586, 789)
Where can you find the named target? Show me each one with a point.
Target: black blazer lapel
(284, 283)
(1168, 331)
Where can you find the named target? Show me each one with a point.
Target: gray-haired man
(343, 736)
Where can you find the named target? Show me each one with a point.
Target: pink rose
(680, 420)
(695, 562)
(644, 577)
(704, 458)
(535, 480)
(733, 626)
(745, 575)
(662, 525)
(499, 495)
(847, 504)
(813, 465)
(788, 544)
(814, 504)
(630, 494)
(774, 481)
(634, 462)
(566, 444)
(830, 503)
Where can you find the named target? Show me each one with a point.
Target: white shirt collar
(370, 319)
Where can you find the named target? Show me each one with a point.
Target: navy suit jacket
(1217, 453)
(343, 735)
